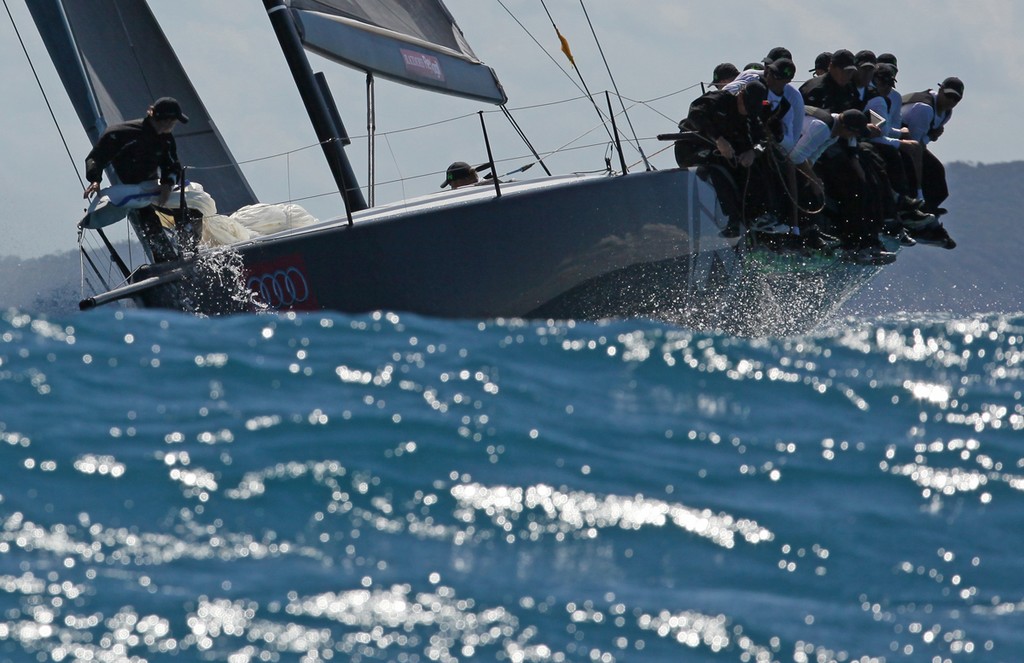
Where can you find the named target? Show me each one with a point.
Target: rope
(793, 196)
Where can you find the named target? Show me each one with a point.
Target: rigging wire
(428, 125)
(522, 134)
(568, 53)
(46, 99)
(615, 86)
(82, 241)
(541, 47)
(93, 244)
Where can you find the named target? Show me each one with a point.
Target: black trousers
(846, 184)
(934, 175)
(880, 203)
(896, 169)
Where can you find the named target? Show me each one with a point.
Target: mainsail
(415, 42)
(115, 61)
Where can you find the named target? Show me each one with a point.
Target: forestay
(415, 42)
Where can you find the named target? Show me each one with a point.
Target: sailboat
(582, 246)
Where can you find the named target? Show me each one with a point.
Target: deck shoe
(769, 224)
(934, 235)
(815, 239)
(916, 216)
(905, 203)
(873, 255)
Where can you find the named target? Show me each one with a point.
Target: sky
(658, 52)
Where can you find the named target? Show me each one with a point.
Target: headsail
(115, 61)
(415, 42)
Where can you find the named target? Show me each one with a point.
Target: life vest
(925, 97)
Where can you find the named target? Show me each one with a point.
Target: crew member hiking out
(833, 91)
(732, 124)
(826, 155)
(925, 115)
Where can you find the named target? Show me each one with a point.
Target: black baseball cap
(168, 107)
(865, 57)
(724, 71)
(776, 53)
(782, 68)
(888, 58)
(822, 61)
(457, 171)
(856, 121)
(844, 60)
(886, 72)
(952, 87)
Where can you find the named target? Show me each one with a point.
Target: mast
(316, 106)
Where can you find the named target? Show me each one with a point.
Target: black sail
(114, 61)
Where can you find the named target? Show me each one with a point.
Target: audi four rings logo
(282, 287)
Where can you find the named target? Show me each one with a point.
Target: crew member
(925, 115)
(887, 103)
(834, 90)
(733, 124)
(724, 74)
(784, 122)
(867, 64)
(460, 174)
(826, 155)
(139, 150)
(143, 151)
(821, 63)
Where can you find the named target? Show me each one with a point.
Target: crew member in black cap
(884, 101)
(888, 58)
(925, 115)
(777, 53)
(821, 64)
(866, 63)
(460, 174)
(834, 90)
(732, 123)
(140, 151)
(826, 154)
(724, 74)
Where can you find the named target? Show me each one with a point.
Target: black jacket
(823, 92)
(137, 152)
(716, 114)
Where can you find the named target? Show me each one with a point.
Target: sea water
(389, 487)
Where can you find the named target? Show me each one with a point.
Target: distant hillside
(45, 285)
(984, 273)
